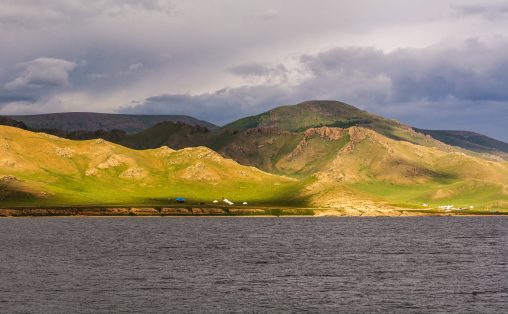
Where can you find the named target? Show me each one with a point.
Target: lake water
(156, 265)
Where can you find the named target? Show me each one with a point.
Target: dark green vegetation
(11, 122)
(175, 135)
(91, 121)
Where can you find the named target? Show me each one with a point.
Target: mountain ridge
(93, 121)
(149, 134)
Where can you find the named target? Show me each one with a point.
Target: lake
(228, 264)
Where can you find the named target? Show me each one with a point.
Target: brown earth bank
(221, 211)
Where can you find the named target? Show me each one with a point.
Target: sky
(435, 64)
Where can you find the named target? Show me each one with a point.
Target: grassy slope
(402, 173)
(54, 170)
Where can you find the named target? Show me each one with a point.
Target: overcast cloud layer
(432, 64)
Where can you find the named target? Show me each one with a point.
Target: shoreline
(216, 212)
(253, 216)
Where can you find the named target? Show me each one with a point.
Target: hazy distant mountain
(11, 122)
(89, 121)
(175, 135)
(468, 140)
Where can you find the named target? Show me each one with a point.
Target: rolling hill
(90, 121)
(371, 166)
(151, 131)
(245, 140)
(316, 154)
(37, 168)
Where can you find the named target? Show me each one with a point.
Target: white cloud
(42, 72)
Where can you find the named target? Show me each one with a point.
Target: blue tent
(180, 199)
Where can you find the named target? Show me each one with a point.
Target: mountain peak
(311, 114)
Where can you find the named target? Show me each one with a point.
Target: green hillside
(318, 113)
(36, 168)
(371, 166)
(324, 155)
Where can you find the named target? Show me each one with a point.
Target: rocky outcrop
(208, 211)
(332, 134)
(144, 211)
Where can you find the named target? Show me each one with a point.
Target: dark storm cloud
(6, 98)
(467, 71)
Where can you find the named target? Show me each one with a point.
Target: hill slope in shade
(11, 122)
(468, 140)
(175, 135)
(90, 121)
(37, 168)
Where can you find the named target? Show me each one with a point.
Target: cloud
(13, 98)
(220, 107)
(42, 72)
(486, 10)
(265, 72)
(469, 70)
(37, 13)
(433, 87)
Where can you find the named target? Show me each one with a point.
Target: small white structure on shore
(228, 201)
(425, 205)
(215, 201)
(244, 203)
(447, 207)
